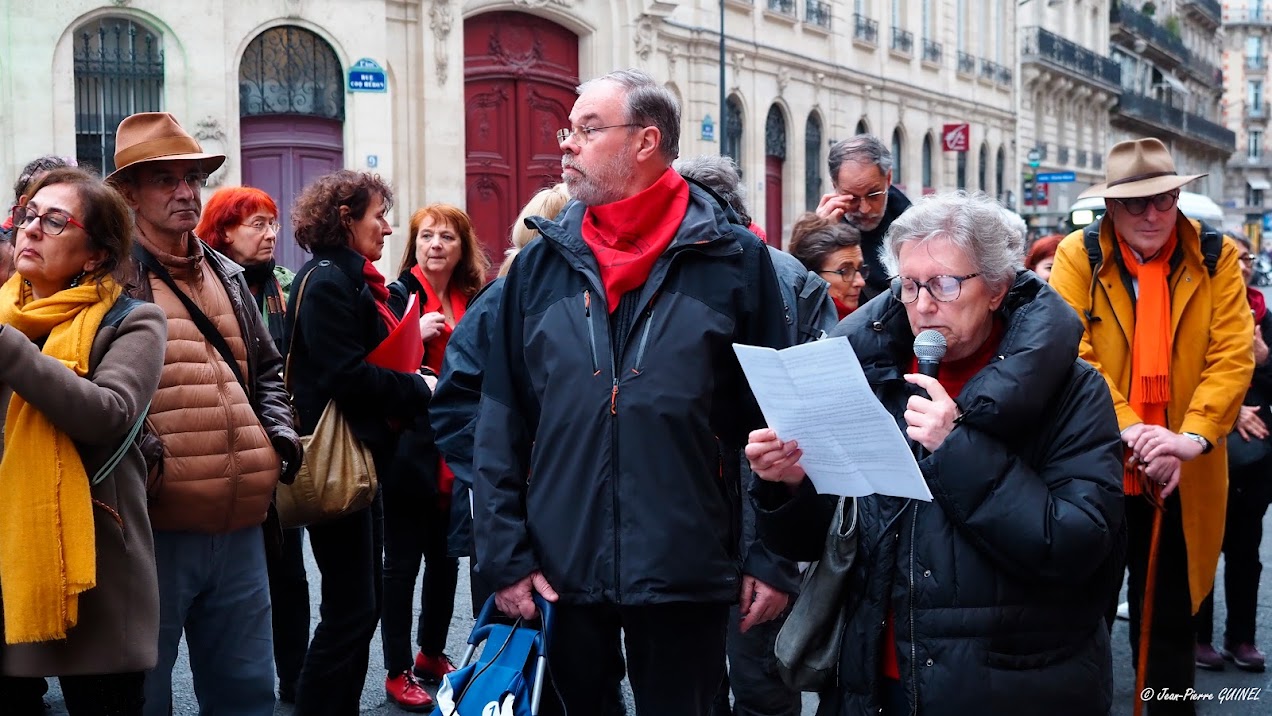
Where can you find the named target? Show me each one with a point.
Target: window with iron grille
(812, 162)
(290, 70)
(898, 177)
(118, 72)
(732, 136)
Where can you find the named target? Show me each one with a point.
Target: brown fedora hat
(157, 137)
(1139, 167)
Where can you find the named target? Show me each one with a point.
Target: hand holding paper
(817, 395)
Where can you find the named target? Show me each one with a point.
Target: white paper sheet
(817, 395)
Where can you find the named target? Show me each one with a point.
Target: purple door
(282, 153)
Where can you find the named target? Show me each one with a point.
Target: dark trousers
(289, 595)
(1248, 495)
(412, 533)
(97, 695)
(1170, 658)
(758, 689)
(347, 551)
(675, 658)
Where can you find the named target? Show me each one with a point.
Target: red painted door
(281, 154)
(520, 72)
(773, 200)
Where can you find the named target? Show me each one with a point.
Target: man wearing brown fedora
(1167, 324)
(225, 424)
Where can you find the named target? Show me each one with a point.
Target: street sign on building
(708, 129)
(956, 137)
(1035, 157)
(1056, 177)
(366, 75)
(1035, 194)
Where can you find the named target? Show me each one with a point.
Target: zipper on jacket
(644, 337)
(591, 330)
(914, 666)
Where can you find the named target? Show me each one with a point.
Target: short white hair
(975, 223)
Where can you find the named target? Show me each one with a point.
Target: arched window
(960, 171)
(812, 162)
(927, 163)
(731, 144)
(118, 72)
(897, 175)
(290, 70)
(861, 127)
(775, 133)
(999, 172)
(982, 168)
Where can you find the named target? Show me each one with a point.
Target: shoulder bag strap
(291, 344)
(200, 319)
(118, 456)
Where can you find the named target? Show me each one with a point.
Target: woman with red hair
(242, 223)
(1042, 254)
(444, 266)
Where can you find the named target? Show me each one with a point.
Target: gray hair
(649, 104)
(975, 223)
(719, 173)
(862, 148)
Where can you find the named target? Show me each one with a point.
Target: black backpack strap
(1091, 240)
(808, 310)
(1211, 246)
(124, 305)
(204, 324)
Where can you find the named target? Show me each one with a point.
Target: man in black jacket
(610, 387)
(863, 196)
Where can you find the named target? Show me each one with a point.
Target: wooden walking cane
(1152, 493)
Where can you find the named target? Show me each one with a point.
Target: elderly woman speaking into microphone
(990, 598)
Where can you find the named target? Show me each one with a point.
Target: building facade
(460, 101)
(1068, 85)
(1247, 42)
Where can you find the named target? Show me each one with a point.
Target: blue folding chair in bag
(507, 679)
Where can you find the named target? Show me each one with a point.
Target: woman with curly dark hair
(443, 266)
(337, 314)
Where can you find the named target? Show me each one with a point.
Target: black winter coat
(598, 449)
(999, 586)
(872, 241)
(336, 326)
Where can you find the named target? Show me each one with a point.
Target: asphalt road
(1211, 687)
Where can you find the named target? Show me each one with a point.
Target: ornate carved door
(520, 72)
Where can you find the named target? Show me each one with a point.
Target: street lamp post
(723, 119)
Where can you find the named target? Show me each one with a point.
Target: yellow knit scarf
(47, 551)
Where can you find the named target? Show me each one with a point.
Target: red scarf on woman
(432, 303)
(1258, 304)
(1151, 345)
(375, 282)
(629, 235)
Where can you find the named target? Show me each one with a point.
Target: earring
(76, 281)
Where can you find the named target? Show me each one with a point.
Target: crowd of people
(580, 429)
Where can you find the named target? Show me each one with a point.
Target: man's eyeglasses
(852, 200)
(52, 222)
(940, 288)
(846, 274)
(1247, 258)
(261, 226)
(583, 134)
(170, 182)
(1138, 205)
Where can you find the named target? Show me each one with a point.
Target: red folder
(403, 349)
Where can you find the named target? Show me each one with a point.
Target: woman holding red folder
(337, 315)
(443, 267)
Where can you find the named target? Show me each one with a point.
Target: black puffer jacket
(597, 458)
(999, 585)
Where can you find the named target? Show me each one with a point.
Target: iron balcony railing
(1173, 118)
(1142, 25)
(966, 63)
(1050, 47)
(1207, 7)
(817, 13)
(902, 40)
(785, 7)
(931, 51)
(865, 29)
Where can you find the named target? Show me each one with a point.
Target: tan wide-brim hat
(1139, 167)
(157, 137)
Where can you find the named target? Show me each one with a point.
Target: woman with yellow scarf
(79, 364)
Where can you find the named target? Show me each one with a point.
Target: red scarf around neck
(629, 235)
(375, 282)
(1258, 304)
(430, 302)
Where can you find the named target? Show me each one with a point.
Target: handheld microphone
(929, 349)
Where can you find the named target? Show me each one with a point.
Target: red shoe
(431, 669)
(1205, 657)
(407, 693)
(1245, 656)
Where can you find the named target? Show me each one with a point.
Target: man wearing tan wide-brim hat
(1168, 325)
(225, 424)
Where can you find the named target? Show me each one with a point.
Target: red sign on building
(956, 137)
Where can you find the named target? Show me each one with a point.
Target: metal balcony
(902, 41)
(966, 63)
(1131, 24)
(1173, 120)
(931, 51)
(784, 7)
(1047, 48)
(865, 29)
(817, 13)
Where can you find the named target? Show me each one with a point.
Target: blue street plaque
(1267, 221)
(366, 75)
(1056, 177)
(708, 129)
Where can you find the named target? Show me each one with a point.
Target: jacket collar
(347, 260)
(1037, 352)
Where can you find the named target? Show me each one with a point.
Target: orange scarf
(1151, 345)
